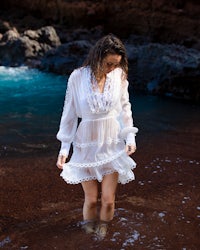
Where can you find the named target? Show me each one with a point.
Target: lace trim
(99, 102)
(90, 144)
(95, 178)
(95, 164)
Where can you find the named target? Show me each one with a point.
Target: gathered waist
(99, 116)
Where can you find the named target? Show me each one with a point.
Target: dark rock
(153, 68)
(4, 26)
(163, 21)
(10, 35)
(66, 57)
(16, 50)
(32, 34)
(157, 68)
(31, 48)
(47, 35)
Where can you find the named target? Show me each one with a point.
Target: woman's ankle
(89, 226)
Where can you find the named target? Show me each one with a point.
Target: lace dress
(106, 122)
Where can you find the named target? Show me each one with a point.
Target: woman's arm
(128, 131)
(68, 123)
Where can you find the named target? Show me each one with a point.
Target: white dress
(106, 123)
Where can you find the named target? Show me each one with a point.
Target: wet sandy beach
(159, 210)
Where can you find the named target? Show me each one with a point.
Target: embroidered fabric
(100, 102)
(91, 144)
(97, 163)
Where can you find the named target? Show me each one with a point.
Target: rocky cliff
(161, 20)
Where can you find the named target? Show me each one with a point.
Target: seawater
(30, 105)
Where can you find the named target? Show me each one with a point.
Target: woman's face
(110, 62)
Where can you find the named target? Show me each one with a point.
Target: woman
(98, 94)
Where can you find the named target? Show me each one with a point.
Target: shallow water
(31, 105)
(159, 210)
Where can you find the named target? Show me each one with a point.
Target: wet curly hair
(108, 44)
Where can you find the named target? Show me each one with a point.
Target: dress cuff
(130, 139)
(125, 131)
(64, 150)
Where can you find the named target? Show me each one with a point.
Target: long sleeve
(128, 131)
(69, 119)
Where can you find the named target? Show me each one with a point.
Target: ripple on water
(170, 166)
(5, 241)
(133, 229)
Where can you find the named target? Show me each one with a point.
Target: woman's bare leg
(108, 187)
(90, 189)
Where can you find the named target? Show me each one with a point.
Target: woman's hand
(130, 149)
(61, 161)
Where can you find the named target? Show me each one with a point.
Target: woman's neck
(101, 83)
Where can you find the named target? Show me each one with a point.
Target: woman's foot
(101, 229)
(89, 226)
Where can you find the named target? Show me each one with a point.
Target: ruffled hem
(122, 165)
(89, 178)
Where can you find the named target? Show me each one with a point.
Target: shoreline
(35, 199)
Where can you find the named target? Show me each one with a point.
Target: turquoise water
(30, 105)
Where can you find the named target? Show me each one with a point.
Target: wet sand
(159, 210)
